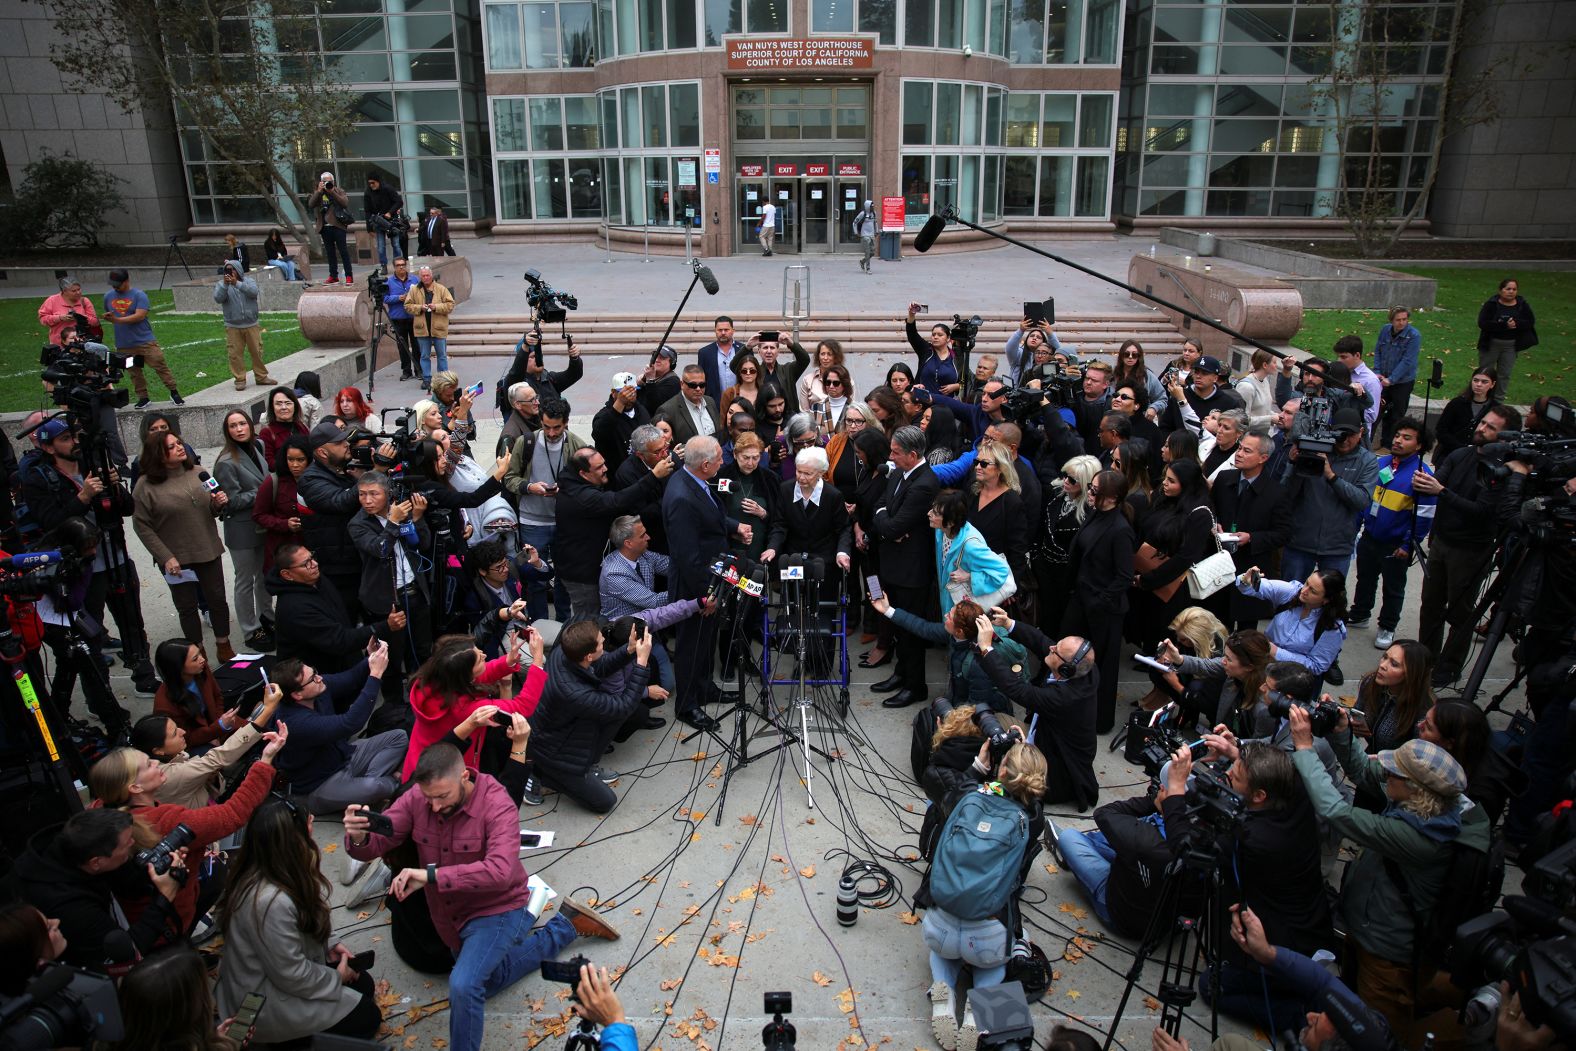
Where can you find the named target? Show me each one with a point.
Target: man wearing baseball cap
(127, 309)
(660, 381)
(617, 420)
(327, 487)
(1205, 393)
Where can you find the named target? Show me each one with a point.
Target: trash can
(1206, 244)
(891, 246)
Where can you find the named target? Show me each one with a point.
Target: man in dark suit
(1252, 504)
(388, 536)
(691, 509)
(433, 237)
(908, 558)
(648, 446)
(715, 356)
(693, 414)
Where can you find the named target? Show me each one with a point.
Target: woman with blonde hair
(997, 509)
(1066, 507)
(1196, 632)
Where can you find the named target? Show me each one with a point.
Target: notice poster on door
(851, 194)
(815, 195)
(891, 214)
(750, 195)
(686, 170)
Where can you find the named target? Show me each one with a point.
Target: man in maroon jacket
(467, 833)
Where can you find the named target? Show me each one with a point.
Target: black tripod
(380, 325)
(174, 252)
(1512, 590)
(1177, 924)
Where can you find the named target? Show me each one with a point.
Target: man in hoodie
(386, 203)
(237, 294)
(312, 621)
(586, 700)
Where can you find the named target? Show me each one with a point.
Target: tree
(247, 75)
(1378, 51)
(61, 203)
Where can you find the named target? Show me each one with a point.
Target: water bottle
(847, 901)
(1151, 251)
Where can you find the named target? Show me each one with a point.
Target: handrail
(1175, 280)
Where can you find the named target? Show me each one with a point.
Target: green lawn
(1450, 330)
(193, 344)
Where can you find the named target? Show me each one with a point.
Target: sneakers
(1358, 621)
(332, 281)
(175, 396)
(143, 402)
(1335, 676)
(145, 687)
(1053, 841)
(353, 870)
(1385, 637)
(968, 1032)
(943, 1016)
(604, 775)
(587, 924)
(240, 384)
(532, 796)
(205, 929)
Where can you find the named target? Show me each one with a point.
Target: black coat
(657, 393)
(585, 514)
(51, 497)
(610, 431)
(825, 532)
(699, 517)
(547, 385)
(1005, 523)
(376, 542)
(1142, 854)
(1101, 563)
(632, 472)
(579, 714)
(326, 531)
(311, 623)
(1066, 708)
(902, 522)
(1263, 510)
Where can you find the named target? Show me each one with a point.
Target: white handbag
(1213, 573)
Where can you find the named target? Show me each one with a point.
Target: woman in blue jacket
(966, 567)
(1309, 625)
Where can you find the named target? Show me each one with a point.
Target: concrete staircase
(476, 334)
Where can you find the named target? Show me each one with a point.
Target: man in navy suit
(690, 509)
(714, 358)
(908, 558)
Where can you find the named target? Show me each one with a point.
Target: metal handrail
(1175, 280)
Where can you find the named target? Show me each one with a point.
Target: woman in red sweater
(190, 695)
(442, 691)
(284, 420)
(129, 780)
(276, 508)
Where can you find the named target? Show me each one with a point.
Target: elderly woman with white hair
(811, 515)
(429, 305)
(59, 312)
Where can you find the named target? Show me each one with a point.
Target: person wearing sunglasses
(1102, 560)
(693, 412)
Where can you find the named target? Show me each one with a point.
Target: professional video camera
(1323, 714)
(84, 375)
(396, 226)
(1314, 434)
(964, 332)
(1212, 801)
(549, 304)
(162, 854)
(1550, 458)
(377, 287)
(62, 1007)
(1530, 945)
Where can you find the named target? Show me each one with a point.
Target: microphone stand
(694, 265)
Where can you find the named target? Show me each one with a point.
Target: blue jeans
(1297, 564)
(387, 241)
(663, 673)
(1243, 993)
(1088, 857)
(537, 590)
(287, 266)
(337, 249)
(425, 346)
(495, 952)
(982, 944)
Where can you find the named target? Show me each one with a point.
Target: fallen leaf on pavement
(908, 917)
(820, 979)
(1073, 910)
(808, 872)
(670, 984)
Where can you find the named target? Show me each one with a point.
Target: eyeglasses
(743, 372)
(1067, 478)
(696, 386)
(832, 381)
(304, 563)
(803, 443)
(1121, 397)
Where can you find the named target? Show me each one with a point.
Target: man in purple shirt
(1349, 352)
(467, 835)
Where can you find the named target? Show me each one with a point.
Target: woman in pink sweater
(441, 693)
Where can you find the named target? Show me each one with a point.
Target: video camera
(1550, 458)
(32, 575)
(377, 286)
(397, 226)
(62, 1007)
(550, 305)
(964, 331)
(1315, 436)
(84, 375)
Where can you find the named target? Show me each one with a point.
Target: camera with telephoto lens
(62, 1007)
(1323, 715)
(1161, 743)
(1002, 738)
(162, 854)
(550, 305)
(1550, 458)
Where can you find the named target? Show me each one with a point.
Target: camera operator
(1204, 393)
(1063, 699)
(390, 537)
(527, 366)
(75, 872)
(536, 459)
(659, 383)
(1467, 518)
(56, 489)
(331, 206)
(385, 203)
(1323, 379)
(586, 508)
(968, 682)
(67, 311)
(1327, 502)
(1401, 871)
(328, 490)
(597, 1003)
(467, 835)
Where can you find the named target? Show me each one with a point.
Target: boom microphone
(932, 230)
(207, 482)
(708, 280)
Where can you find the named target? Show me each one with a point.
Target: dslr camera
(1323, 714)
(1002, 738)
(162, 854)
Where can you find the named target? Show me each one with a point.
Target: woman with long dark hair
(899, 377)
(277, 254)
(885, 406)
(28, 940)
(1132, 460)
(276, 913)
(190, 697)
(196, 780)
(1397, 694)
(166, 1005)
(1177, 533)
(174, 516)
(1463, 730)
(938, 365)
(276, 508)
(240, 469)
(1130, 369)
(838, 384)
(745, 388)
(1506, 327)
(1309, 625)
(1101, 570)
(1180, 445)
(444, 691)
(1241, 665)
(1461, 414)
(283, 418)
(941, 433)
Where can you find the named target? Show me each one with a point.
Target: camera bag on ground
(979, 855)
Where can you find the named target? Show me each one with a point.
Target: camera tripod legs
(1179, 969)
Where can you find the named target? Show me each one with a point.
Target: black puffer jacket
(314, 626)
(326, 531)
(582, 708)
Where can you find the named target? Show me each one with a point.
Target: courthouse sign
(819, 53)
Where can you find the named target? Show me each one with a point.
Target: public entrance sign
(819, 53)
(891, 214)
(850, 170)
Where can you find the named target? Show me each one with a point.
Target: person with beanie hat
(865, 228)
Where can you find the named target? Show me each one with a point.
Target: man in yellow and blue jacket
(1394, 525)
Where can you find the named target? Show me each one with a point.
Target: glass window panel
(576, 26)
(879, 17)
(949, 23)
(919, 23)
(651, 36)
(685, 102)
(1310, 60)
(508, 125)
(784, 96)
(681, 23)
(634, 137)
(971, 115)
(993, 101)
(354, 34)
(1252, 61)
(1056, 185)
(357, 67)
(424, 65)
(1182, 59)
(816, 96)
(1254, 169)
(1162, 202)
(1094, 128)
(949, 101)
(606, 29)
(428, 105)
(1299, 203)
(1264, 25)
(1166, 169)
(202, 211)
(1247, 100)
(1238, 202)
(916, 111)
(374, 107)
(514, 189)
(1177, 100)
(439, 140)
(976, 21)
(580, 123)
(1100, 32)
(723, 18)
(916, 191)
(441, 175)
(831, 16)
(768, 16)
(242, 210)
(657, 191)
(1056, 129)
(851, 123)
(969, 188)
(750, 96)
(1023, 119)
(943, 181)
(199, 179)
(1018, 186)
(990, 192)
(547, 132)
(1094, 180)
(749, 123)
(1244, 136)
(1297, 171)
(1313, 24)
(654, 114)
(503, 36)
(1026, 33)
(998, 27)
(816, 123)
(550, 190)
(585, 188)
(1063, 31)
(609, 101)
(784, 124)
(420, 32)
(628, 27)
(613, 195)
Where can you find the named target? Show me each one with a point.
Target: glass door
(752, 198)
(820, 216)
(785, 195)
(850, 201)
